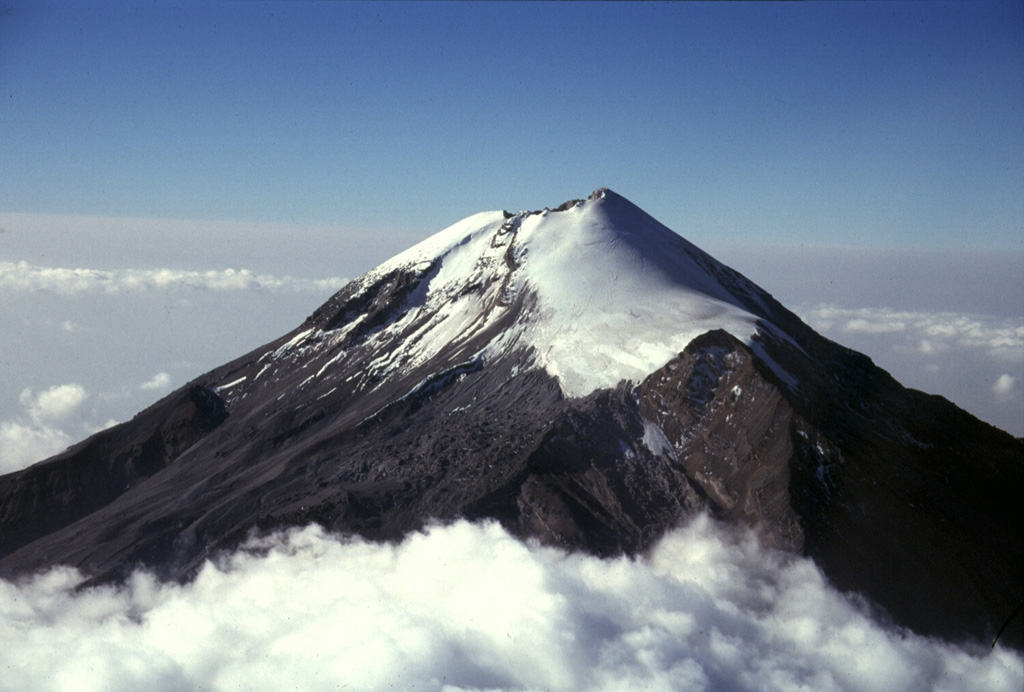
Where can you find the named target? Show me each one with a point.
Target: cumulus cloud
(467, 607)
(54, 404)
(161, 380)
(22, 444)
(43, 428)
(22, 276)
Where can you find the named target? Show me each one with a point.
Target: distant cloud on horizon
(22, 276)
(998, 337)
(975, 360)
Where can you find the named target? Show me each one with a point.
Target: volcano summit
(582, 375)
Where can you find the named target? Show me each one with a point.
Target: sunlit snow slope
(610, 293)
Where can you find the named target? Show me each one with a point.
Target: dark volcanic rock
(395, 404)
(46, 497)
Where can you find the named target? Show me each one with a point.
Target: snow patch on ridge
(290, 345)
(655, 441)
(229, 385)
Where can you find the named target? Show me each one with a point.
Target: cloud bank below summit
(468, 607)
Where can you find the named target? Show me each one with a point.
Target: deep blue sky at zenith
(892, 124)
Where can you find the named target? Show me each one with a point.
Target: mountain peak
(598, 194)
(596, 290)
(480, 374)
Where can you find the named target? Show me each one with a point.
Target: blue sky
(873, 124)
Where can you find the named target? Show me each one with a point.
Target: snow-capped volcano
(594, 292)
(611, 293)
(584, 376)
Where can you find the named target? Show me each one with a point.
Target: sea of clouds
(468, 607)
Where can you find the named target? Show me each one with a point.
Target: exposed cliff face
(582, 375)
(732, 431)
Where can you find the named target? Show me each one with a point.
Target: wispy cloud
(468, 607)
(1004, 387)
(22, 276)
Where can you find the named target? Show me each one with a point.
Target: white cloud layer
(976, 360)
(467, 607)
(22, 276)
(997, 337)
